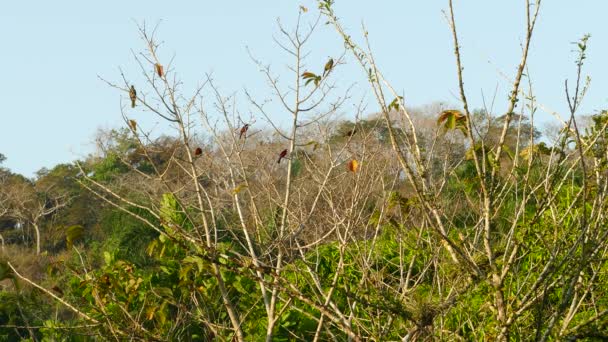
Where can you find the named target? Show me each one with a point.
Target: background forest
(442, 222)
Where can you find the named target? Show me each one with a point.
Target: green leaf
(195, 260)
(395, 104)
(5, 271)
(164, 292)
(73, 233)
(108, 258)
(453, 119)
(171, 214)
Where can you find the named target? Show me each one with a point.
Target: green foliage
(453, 119)
(109, 167)
(5, 271)
(21, 310)
(126, 236)
(73, 233)
(169, 246)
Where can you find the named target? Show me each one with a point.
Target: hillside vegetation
(415, 224)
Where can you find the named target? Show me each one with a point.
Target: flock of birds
(243, 130)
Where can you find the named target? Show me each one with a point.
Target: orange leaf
(450, 114)
(159, 69)
(353, 165)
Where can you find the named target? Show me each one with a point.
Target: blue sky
(52, 101)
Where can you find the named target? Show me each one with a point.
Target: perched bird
(282, 155)
(133, 96)
(133, 125)
(198, 151)
(57, 290)
(328, 66)
(350, 133)
(244, 131)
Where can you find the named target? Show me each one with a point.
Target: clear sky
(52, 52)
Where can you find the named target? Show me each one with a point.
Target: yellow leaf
(150, 313)
(133, 125)
(328, 67)
(353, 165)
(303, 9)
(239, 189)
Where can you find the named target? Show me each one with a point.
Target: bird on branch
(133, 96)
(282, 155)
(243, 131)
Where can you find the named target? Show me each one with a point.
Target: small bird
(198, 151)
(328, 66)
(57, 290)
(282, 155)
(133, 96)
(133, 125)
(350, 133)
(244, 131)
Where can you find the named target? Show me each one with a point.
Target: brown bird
(350, 133)
(133, 96)
(57, 290)
(282, 155)
(198, 151)
(244, 131)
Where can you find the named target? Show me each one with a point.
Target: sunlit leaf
(328, 67)
(150, 312)
(238, 189)
(159, 70)
(353, 165)
(198, 261)
(453, 119)
(73, 233)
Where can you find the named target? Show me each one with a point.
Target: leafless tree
(20, 201)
